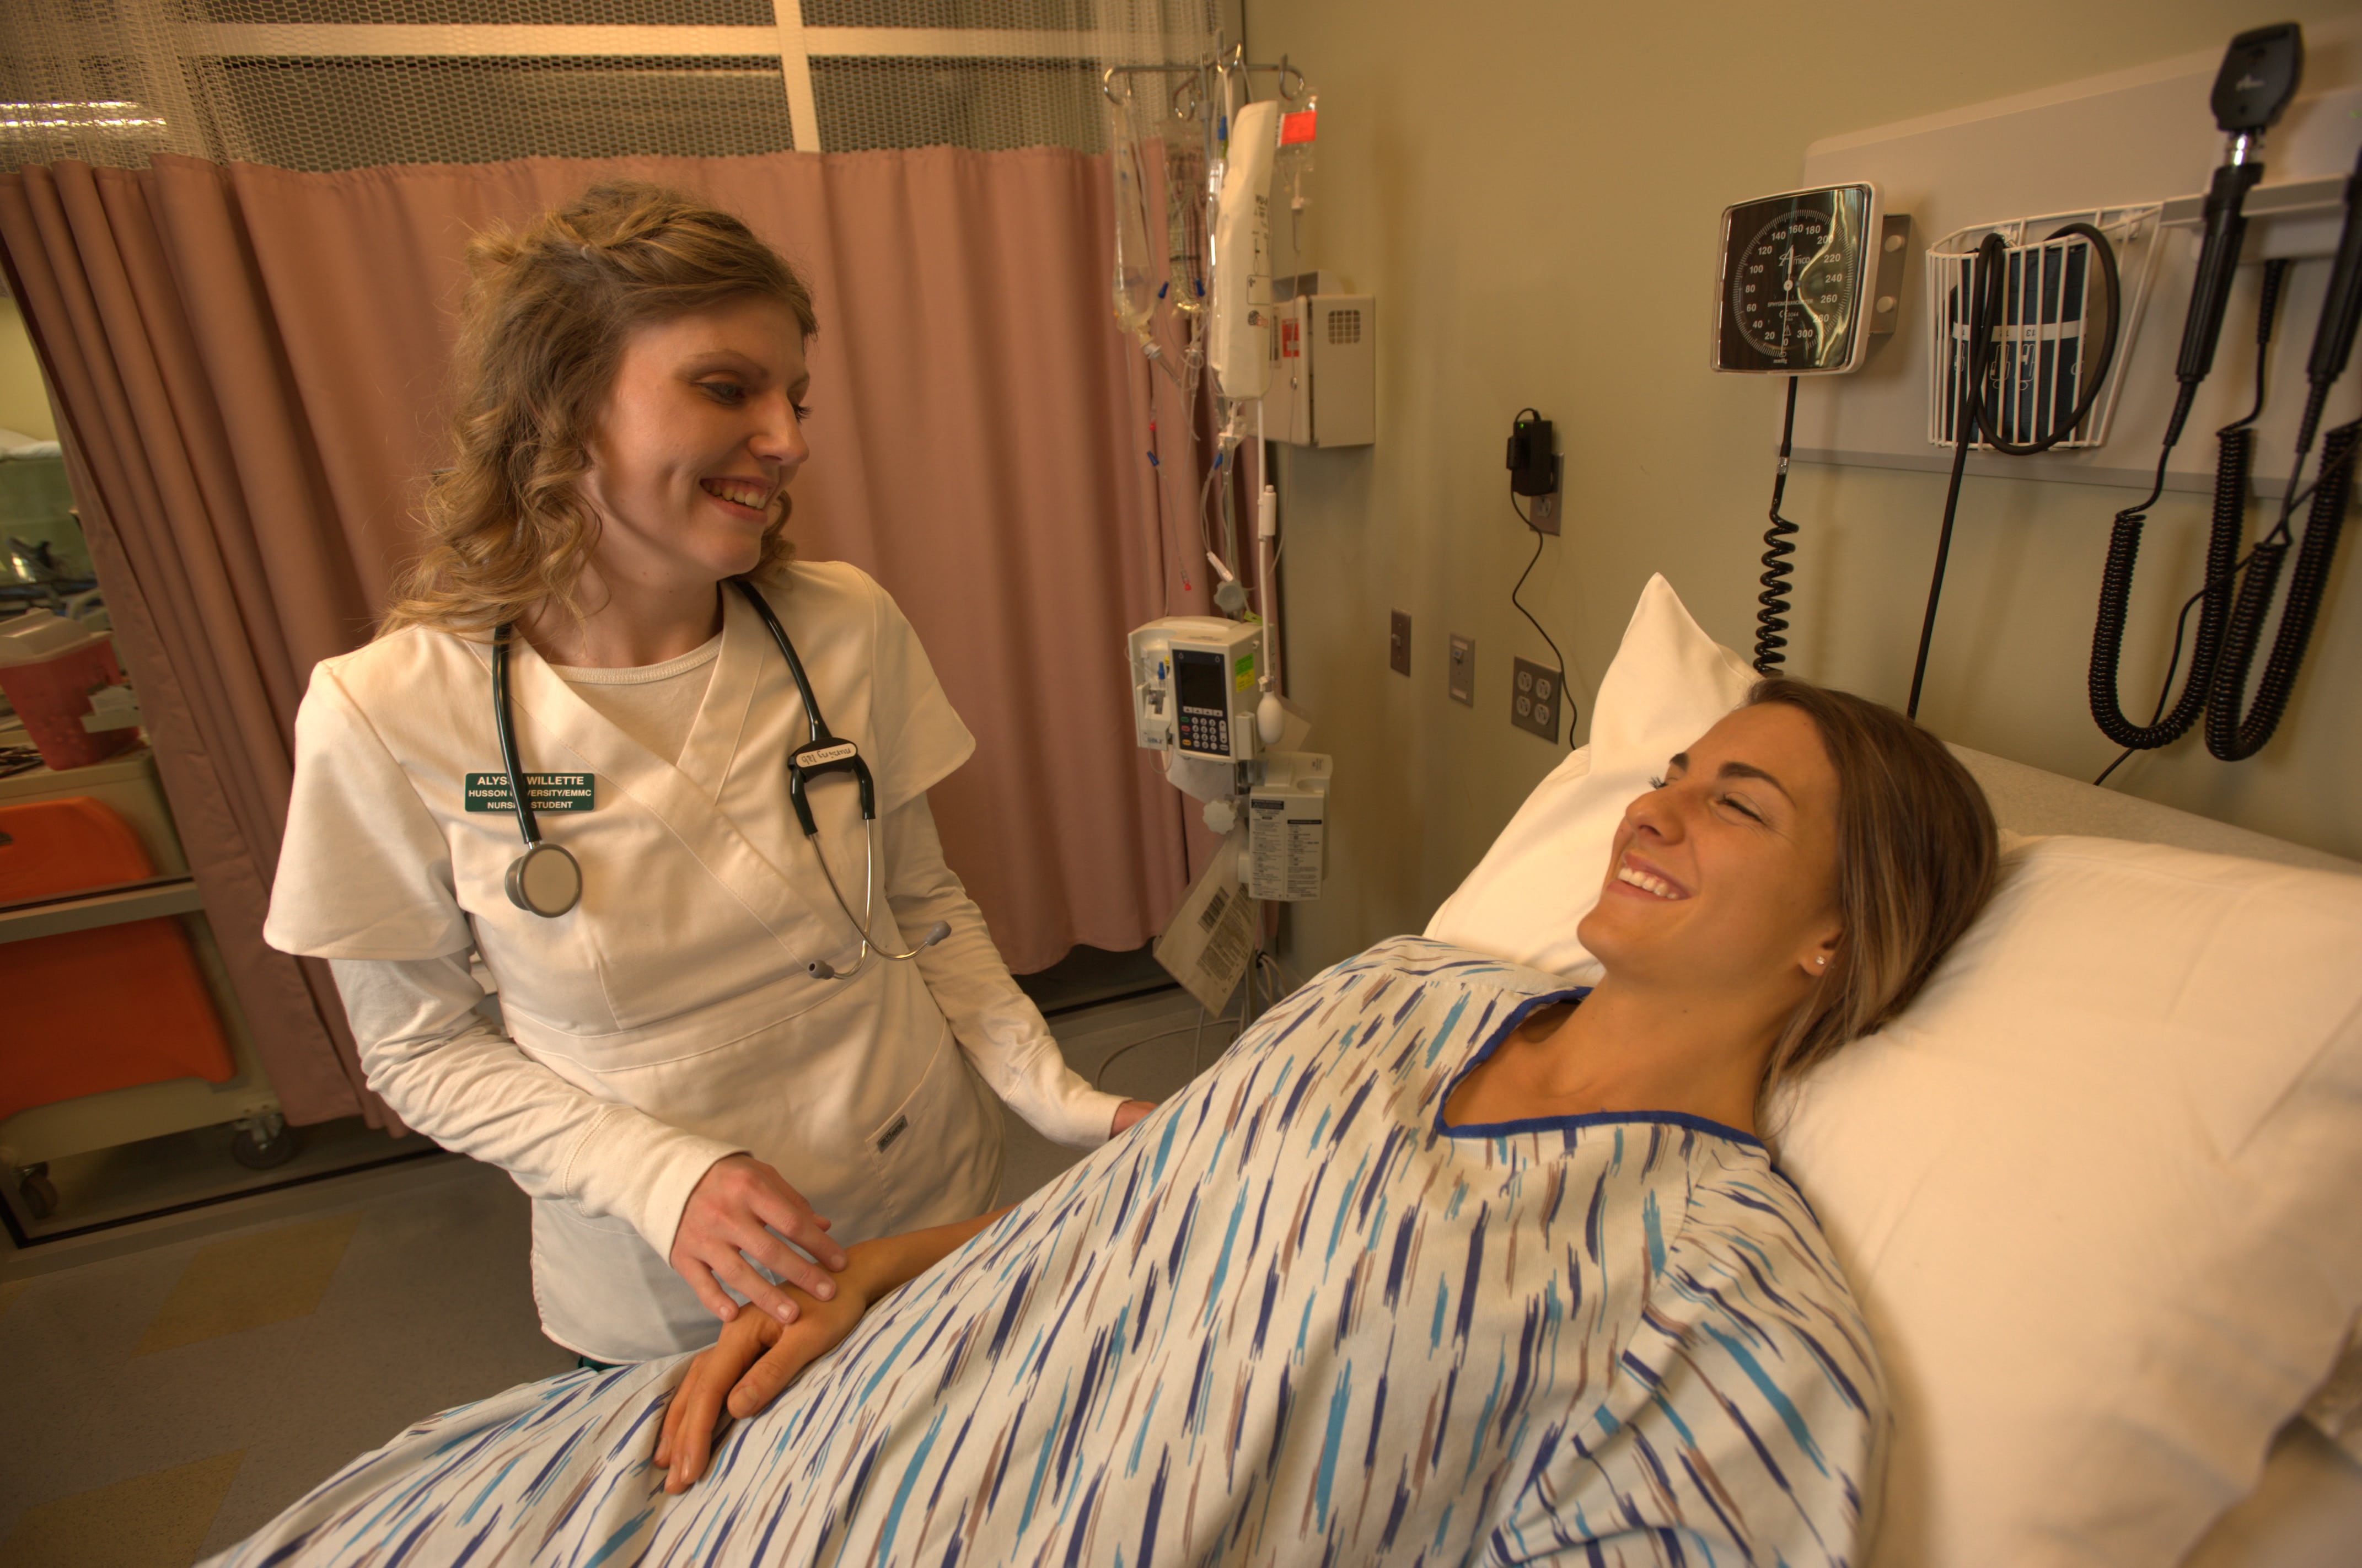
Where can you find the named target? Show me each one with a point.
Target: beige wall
(1530, 189)
(24, 406)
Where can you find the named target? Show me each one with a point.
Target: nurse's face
(700, 434)
(1724, 876)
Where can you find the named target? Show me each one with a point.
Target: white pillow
(1669, 684)
(2096, 1190)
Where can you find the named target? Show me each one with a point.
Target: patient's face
(1725, 873)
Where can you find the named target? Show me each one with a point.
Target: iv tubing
(1266, 587)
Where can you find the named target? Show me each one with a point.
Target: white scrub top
(676, 994)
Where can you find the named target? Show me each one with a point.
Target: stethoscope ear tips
(544, 880)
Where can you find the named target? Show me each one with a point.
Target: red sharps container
(49, 667)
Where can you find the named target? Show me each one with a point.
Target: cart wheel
(38, 1194)
(264, 1142)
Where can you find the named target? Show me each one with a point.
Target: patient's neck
(1632, 1048)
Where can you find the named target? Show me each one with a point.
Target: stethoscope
(546, 880)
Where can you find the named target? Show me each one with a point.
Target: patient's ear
(1821, 957)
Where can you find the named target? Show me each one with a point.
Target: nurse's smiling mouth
(749, 497)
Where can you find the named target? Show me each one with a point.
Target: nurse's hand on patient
(755, 1357)
(730, 1217)
(1130, 1111)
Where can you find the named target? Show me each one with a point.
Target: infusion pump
(1195, 687)
(1197, 696)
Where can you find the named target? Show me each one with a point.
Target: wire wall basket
(2053, 323)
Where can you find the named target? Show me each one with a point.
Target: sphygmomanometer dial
(1793, 272)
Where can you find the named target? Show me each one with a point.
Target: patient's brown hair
(1915, 860)
(547, 317)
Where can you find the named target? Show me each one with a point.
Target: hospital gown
(1291, 1318)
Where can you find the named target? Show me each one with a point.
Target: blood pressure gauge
(1798, 273)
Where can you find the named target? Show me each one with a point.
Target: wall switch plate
(1536, 695)
(1398, 644)
(1463, 669)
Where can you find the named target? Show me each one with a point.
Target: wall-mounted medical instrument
(2259, 77)
(546, 880)
(1323, 387)
(2001, 386)
(1810, 283)
(2051, 319)
(2235, 730)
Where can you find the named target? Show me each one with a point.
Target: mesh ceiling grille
(322, 84)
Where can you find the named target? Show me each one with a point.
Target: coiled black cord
(2230, 736)
(1770, 621)
(2233, 458)
(2334, 464)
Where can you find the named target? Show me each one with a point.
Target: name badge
(548, 791)
(822, 756)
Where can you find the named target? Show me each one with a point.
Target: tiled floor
(171, 1387)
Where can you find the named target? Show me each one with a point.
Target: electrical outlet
(1537, 692)
(1463, 669)
(1545, 514)
(1398, 644)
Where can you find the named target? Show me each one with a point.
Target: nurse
(712, 1053)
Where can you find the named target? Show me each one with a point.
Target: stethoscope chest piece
(547, 881)
(544, 880)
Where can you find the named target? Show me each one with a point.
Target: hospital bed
(2095, 1187)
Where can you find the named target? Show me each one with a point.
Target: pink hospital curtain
(250, 361)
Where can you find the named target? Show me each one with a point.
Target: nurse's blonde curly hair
(547, 313)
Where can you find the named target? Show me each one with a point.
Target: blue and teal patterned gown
(1289, 1318)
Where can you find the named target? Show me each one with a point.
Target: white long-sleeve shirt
(451, 1073)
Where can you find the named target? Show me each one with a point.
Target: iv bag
(1185, 223)
(1134, 287)
(1239, 346)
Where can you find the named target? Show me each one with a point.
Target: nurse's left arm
(998, 1026)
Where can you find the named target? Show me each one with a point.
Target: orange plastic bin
(98, 1009)
(49, 668)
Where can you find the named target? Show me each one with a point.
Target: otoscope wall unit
(2132, 150)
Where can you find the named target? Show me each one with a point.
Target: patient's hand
(757, 1356)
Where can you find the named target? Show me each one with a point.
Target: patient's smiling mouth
(1645, 878)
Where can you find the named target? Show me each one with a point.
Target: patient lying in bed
(1401, 1277)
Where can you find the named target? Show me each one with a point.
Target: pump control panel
(1195, 687)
